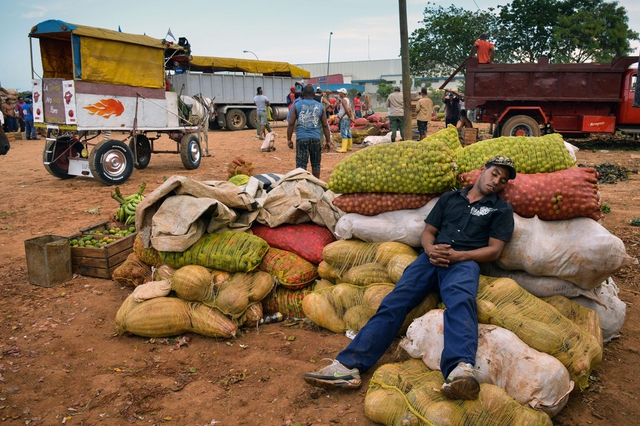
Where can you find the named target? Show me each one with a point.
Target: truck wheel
(111, 162)
(190, 152)
(236, 120)
(55, 157)
(142, 151)
(252, 120)
(521, 125)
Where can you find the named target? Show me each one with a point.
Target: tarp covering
(56, 59)
(114, 62)
(104, 56)
(213, 64)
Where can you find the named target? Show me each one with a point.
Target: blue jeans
(458, 287)
(30, 130)
(345, 127)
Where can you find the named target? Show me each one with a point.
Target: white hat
(342, 90)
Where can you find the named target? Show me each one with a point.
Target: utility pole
(328, 61)
(406, 75)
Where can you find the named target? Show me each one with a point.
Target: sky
(292, 31)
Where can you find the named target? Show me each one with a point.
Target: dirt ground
(61, 362)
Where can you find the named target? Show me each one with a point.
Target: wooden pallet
(100, 262)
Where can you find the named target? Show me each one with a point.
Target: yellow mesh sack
(227, 251)
(348, 307)
(542, 154)
(502, 302)
(406, 394)
(426, 167)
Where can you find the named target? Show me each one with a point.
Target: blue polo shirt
(468, 226)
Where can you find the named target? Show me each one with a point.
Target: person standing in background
(309, 120)
(291, 97)
(366, 105)
(357, 105)
(452, 108)
(20, 115)
(27, 112)
(485, 50)
(424, 111)
(262, 103)
(346, 117)
(395, 104)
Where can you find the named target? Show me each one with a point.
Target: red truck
(536, 98)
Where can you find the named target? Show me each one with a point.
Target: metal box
(48, 260)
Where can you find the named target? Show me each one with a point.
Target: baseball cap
(318, 90)
(500, 160)
(342, 90)
(293, 89)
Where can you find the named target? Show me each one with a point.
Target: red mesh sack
(149, 256)
(372, 203)
(560, 195)
(286, 301)
(361, 122)
(132, 272)
(288, 268)
(334, 128)
(305, 239)
(374, 118)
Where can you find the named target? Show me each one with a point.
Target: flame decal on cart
(106, 108)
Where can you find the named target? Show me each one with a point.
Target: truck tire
(252, 119)
(190, 152)
(111, 162)
(521, 125)
(236, 120)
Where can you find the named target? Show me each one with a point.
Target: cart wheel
(252, 119)
(521, 125)
(111, 162)
(142, 150)
(56, 160)
(190, 152)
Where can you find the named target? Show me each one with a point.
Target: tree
(591, 30)
(384, 89)
(525, 30)
(447, 38)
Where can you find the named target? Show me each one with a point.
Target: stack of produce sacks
(408, 394)
(197, 300)
(292, 259)
(233, 274)
(530, 377)
(357, 277)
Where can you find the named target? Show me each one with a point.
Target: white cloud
(37, 12)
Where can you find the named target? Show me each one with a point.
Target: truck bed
(544, 82)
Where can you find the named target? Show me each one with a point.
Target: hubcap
(114, 163)
(194, 152)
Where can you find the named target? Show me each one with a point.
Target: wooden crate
(470, 136)
(100, 262)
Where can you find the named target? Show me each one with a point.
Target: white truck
(232, 84)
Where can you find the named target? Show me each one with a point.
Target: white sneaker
(461, 383)
(335, 375)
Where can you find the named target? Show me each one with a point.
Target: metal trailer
(232, 83)
(534, 98)
(97, 83)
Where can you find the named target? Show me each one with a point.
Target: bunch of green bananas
(126, 213)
